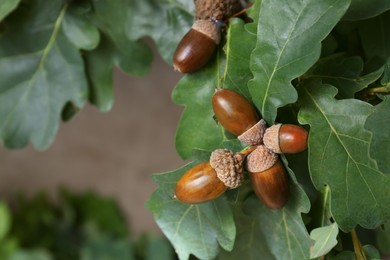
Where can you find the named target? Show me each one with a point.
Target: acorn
(235, 113)
(197, 46)
(268, 177)
(207, 181)
(286, 138)
(217, 9)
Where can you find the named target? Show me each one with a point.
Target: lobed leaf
(338, 157)
(165, 22)
(289, 35)
(37, 77)
(344, 73)
(325, 238)
(282, 231)
(116, 49)
(192, 228)
(378, 123)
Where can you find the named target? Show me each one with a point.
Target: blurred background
(112, 153)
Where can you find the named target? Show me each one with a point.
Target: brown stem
(248, 150)
(359, 253)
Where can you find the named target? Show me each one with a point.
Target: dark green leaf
(5, 220)
(383, 239)
(131, 55)
(289, 39)
(363, 9)
(37, 77)
(237, 72)
(165, 22)
(385, 81)
(282, 231)
(338, 157)
(192, 228)
(197, 128)
(115, 49)
(375, 37)
(379, 124)
(80, 31)
(346, 255)
(371, 252)
(325, 238)
(344, 73)
(6, 7)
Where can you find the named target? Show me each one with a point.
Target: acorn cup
(207, 181)
(268, 177)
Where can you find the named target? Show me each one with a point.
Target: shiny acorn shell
(271, 186)
(199, 184)
(233, 111)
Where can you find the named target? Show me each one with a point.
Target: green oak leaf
(344, 73)
(289, 35)
(197, 128)
(192, 228)
(338, 157)
(375, 37)
(6, 7)
(345, 255)
(378, 123)
(37, 77)
(80, 30)
(115, 49)
(363, 9)
(282, 231)
(325, 238)
(383, 239)
(165, 22)
(237, 72)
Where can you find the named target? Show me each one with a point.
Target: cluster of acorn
(225, 169)
(199, 44)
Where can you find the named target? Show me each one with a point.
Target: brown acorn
(197, 46)
(286, 138)
(268, 177)
(209, 180)
(199, 184)
(233, 111)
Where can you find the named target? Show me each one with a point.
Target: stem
(248, 150)
(357, 246)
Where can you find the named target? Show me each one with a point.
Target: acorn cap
(254, 135)
(229, 167)
(208, 28)
(271, 138)
(260, 159)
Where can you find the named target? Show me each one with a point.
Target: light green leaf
(338, 157)
(378, 123)
(34, 254)
(289, 39)
(325, 238)
(363, 9)
(344, 73)
(5, 220)
(165, 22)
(79, 30)
(37, 77)
(6, 7)
(192, 229)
